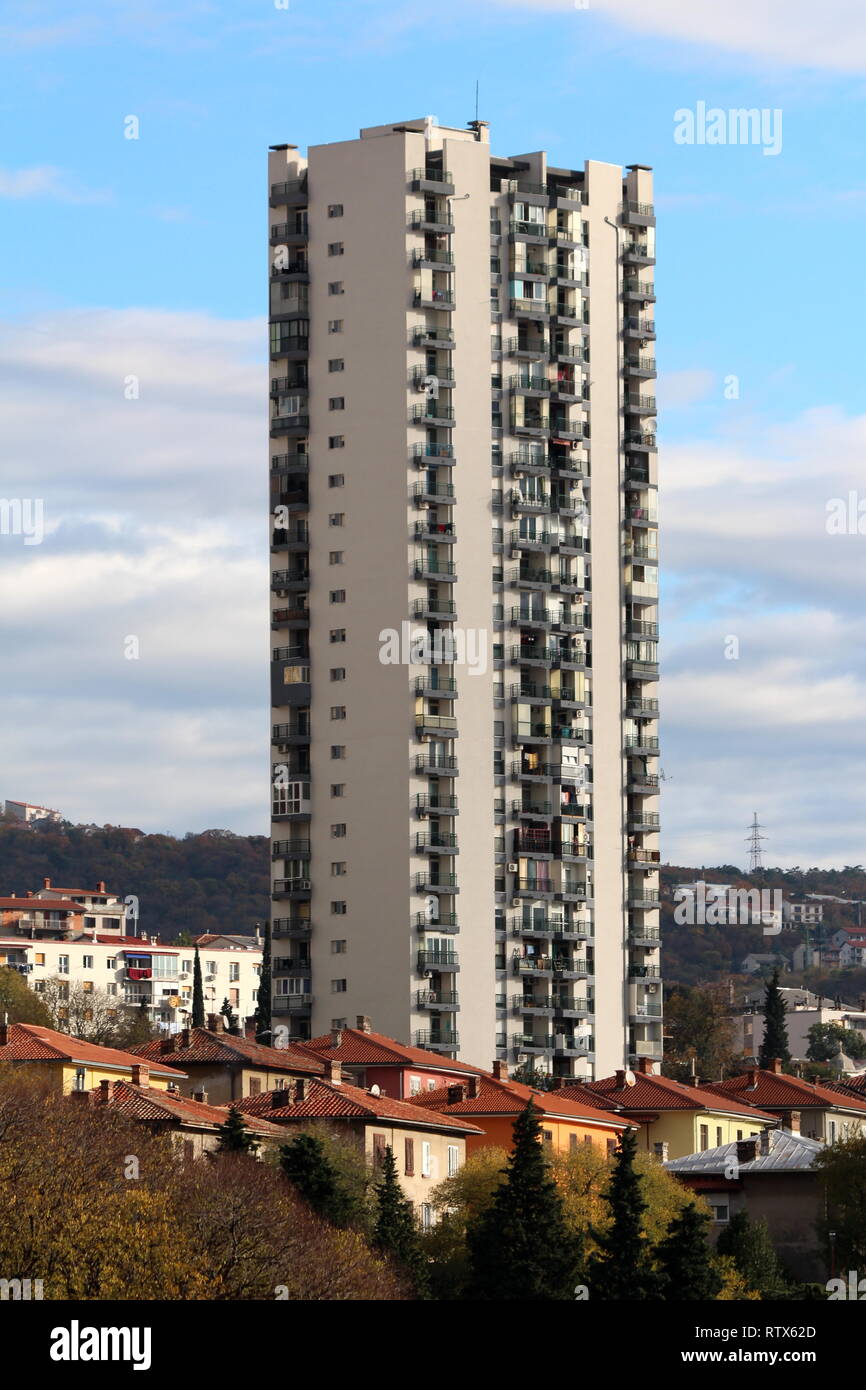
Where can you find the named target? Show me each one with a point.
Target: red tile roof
(206, 1046)
(147, 1103)
(510, 1098)
(659, 1093)
(775, 1091)
(41, 904)
(28, 1042)
(359, 1048)
(324, 1100)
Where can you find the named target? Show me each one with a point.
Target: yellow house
(73, 1065)
(673, 1119)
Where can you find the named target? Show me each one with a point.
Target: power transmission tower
(753, 840)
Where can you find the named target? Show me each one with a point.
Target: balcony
(433, 260)
(442, 493)
(290, 849)
(534, 1043)
(635, 327)
(635, 440)
(429, 881)
(435, 1041)
(438, 843)
(427, 455)
(292, 193)
(637, 214)
(434, 608)
(536, 502)
(534, 888)
(427, 805)
(433, 413)
(530, 383)
(425, 336)
(642, 709)
(529, 308)
(523, 348)
(294, 888)
(445, 922)
(431, 180)
(435, 767)
(435, 685)
(642, 1010)
(442, 532)
(292, 927)
(431, 219)
(283, 581)
(640, 366)
(437, 999)
(444, 724)
(292, 1003)
(446, 962)
(435, 571)
(638, 744)
(290, 735)
(637, 253)
(648, 857)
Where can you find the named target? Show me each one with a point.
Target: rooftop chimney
(280, 1098)
(645, 1066)
(100, 887)
(336, 1037)
(765, 1141)
(500, 1070)
(747, 1150)
(473, 1088)
(362, 1023)
(200, 1096)
(752, 1084)
(776, 1066)
(620, 1079)
(334, 1072)
(301, 1089)
(46, 883)
(184, 1037)
(104, 1092)
(140, 1075)
(793, 1121)
(456, 1092)
(4, 1034)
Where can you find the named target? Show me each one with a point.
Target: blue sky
(145, 257)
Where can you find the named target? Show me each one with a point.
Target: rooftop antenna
(753, 839)
(476, 100)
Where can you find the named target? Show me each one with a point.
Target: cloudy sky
(132, 373)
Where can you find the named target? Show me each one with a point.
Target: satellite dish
(630, 1078)
(375, 1091)
(281, 1035)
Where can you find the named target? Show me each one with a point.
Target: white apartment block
(464, 598)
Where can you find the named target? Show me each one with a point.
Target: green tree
(395, 1232)
(520, 1247)
(263, 995)
(231, 1019)
(234, 1136)
(775, 1042)
(701, 1032)
(749, 1245)
(825, 1039)
(18, 1003)
(316, 1179)
(622, 1268)
(134, 1026)
(684, 1260)
(842, 1169)
(197, 992)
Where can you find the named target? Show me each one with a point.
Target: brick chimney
(104, 1092)
(765, 1141)
(776, 1066)
(645, 1066)
(280, 1098)
(752, 1084)
(334, 1072)
(362, 1023)
(747, 1150)
(620, 1079)
(46, 883)
(183, 1035)
(100, 887)
(336, 1037)
(4, 1034)
(200, 1095)
(140, 1075)
(473, 1085)
(456, 1092)
(500, 1070)
(301, 1089)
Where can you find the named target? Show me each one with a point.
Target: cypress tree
(685, 1262)
(395, 1232)
(520, 1247)
(775, 1042)
(230, 1017)
(749, 1244)
(197, 992)
(307, 1167)
(622, 1268)
(234, 1137)
(263, 997)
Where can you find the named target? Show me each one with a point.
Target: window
(111, 962)
(39, 958)
(335, 209)
(336, 402)
(88, 921)
(337, 596)
(338, 1023)
(338, 832)
(335, 557)
(337, 634)
(87, 962)
(338, 673)
(234, 970)
(425, 1158)
(336, 287)
(87, 986)
(414, 1085)
(338, 909)
(338, 868)
(338, 947)
(336, 518)
(338, 986)
(338, 711)
(547, 1136)
(63, 965)
(431, 1085)
(453, 1159)
(336, 480)
(379, 1147)
(338, 751)
(718, 1136)
(721, 1212)
(705, 1137)
(80, 1078)
(336, 441)
(111, 989)
(409, 1157)
(572, 1141)
(426, 1216)
(335, 325)
(255, 1086)
(335, 248)
(336, 364)
(338, 789)
(210, 967)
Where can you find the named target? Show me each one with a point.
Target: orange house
(493, 1102)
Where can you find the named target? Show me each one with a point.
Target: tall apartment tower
(464, 599)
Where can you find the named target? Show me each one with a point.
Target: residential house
(190, 1121)
(493, 1102)
(806, 1107)
(673, 1119)
(372, 1059)
(73, 1065)
(771, 1177)
(223, 1067)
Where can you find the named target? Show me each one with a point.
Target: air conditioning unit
(515, 902)
(184, 975)
(652, 989)
(512, 868)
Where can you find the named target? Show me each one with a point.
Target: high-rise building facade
(464, 582)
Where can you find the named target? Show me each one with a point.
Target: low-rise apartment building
(222, 1067)
(193, 1124)
(805, 1107)
(73, 1065)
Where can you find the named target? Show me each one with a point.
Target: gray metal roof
(788, 1152)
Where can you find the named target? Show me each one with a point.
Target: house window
(111, 962)
(255, 1086)
(338, 909)
(39, 958)
(572, 1141)
(335, 209)
(338, 751)
(338, 986)
(87, 986)
(338, 789)
(338, 869)
(547, 1136)
(338, 673)
(338, 947)
(335, 557)
(721, 1212)
(87, 962)
(80, 1078)
(89, 921)
(338, 832)
(453, 1159)
(335, 325)
(337, 1023)
(414, 1085)
(63, 965)
(336, 441)
(336, 402)
(718, 1136)
(338, 711)
(336, 364)
(379, 1147)
(336, 287)
(338, 634)
(705, 1137)
(335, 248)
(336, 480)
(425, 1159)
(337, 596)
(409, 1157)
(336, 518)
(234, 970)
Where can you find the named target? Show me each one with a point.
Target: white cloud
(792, 32)
(46, 181)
